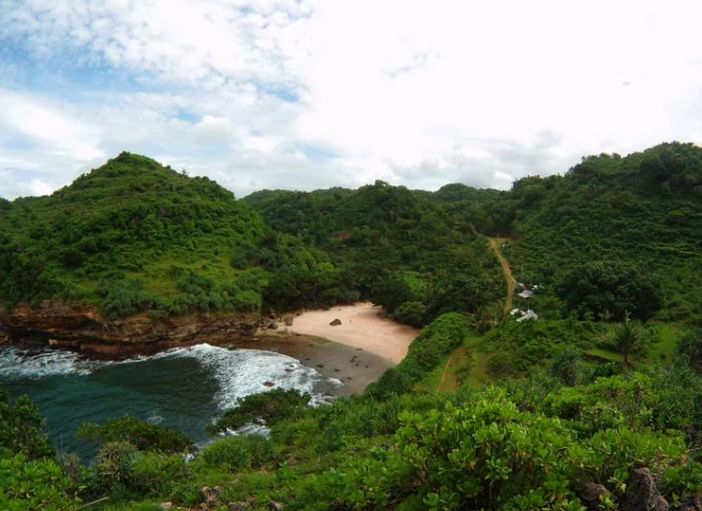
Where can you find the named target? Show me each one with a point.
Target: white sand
(363, 325)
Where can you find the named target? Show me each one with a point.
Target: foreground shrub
(271, 407)
(487, 454)
(37, 484)
(22, 428)
(140, 434)
(237, 453)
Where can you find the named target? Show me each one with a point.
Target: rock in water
(641, 493)
(335, 322)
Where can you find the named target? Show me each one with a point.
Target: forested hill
(613, 235)
(395, 245)
(133, 236)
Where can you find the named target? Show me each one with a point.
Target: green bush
(271, 406)
(34, 484)
(566, 365)
(22, 428)
(114, 464)
(410, 313)
(690, 349)
(436, 341)
(153, 472)
(140, 434)
(237, 453)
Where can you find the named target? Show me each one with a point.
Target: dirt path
(363, 326)
(511, 283)
(448, 377)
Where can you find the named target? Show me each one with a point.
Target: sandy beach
(356, 352)
(363, 325)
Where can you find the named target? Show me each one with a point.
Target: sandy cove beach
(356, 352)
(363, 325)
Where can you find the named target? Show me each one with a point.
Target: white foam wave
(19, 363)
(242, 372)
(239, 372)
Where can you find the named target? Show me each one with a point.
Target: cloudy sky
(302, 94)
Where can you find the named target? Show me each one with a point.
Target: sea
(183, 388)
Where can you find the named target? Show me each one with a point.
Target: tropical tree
(627, 339)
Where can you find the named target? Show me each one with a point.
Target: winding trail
(448, 381)
(495, 244)
(447, 384)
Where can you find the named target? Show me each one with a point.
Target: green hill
(580, 409)
(394, 245)
(639, 215)
(133, 235)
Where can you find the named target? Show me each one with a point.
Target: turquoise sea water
(184, 388)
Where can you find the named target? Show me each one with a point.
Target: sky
(307, 94)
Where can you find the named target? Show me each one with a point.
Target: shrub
(690, 348)
(114, 463)
(141, 434)
(153, 472)
(271, 406)
(237, 453)
(410, 313)
(566, 365)
(22, 428)
(34, 484)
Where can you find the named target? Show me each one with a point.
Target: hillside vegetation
(134, 236)
(613, 234)
(393, 245)
(595, 405)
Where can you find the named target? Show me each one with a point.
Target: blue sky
(304, 94)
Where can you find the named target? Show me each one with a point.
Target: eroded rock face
(641, 493)
(81, 327)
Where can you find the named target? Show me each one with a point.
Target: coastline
(355, 352)
(354, 367)
(360, 325)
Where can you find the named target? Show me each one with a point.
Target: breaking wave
(239, 372)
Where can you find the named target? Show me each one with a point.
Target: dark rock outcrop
(82, 327)
(641, 493)
(335, 322)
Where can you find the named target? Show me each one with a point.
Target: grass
(604, 354)
(669, 335)
(454, 371)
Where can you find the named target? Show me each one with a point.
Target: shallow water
(184, 388)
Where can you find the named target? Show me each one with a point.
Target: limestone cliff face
(82, 327)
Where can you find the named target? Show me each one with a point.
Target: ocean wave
(16, 363)
(239, 372)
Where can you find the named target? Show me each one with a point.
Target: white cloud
(411, 92)
(43, 123)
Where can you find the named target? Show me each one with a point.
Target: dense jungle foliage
(613, 234)
(393, 245)
(485, 412)
(133, 236)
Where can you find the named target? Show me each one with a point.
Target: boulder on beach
(335, 322)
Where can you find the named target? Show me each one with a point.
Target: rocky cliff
(82, 327)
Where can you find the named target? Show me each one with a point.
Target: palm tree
(627, 339)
